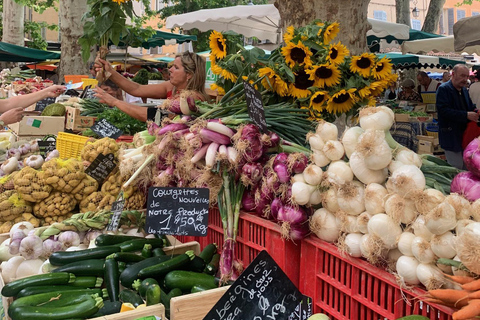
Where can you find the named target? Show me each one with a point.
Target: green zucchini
(112, 279)
(147, 251)
(130, 296)
(121, 266)
(63, 297)
(164, 237)
(212, 267)
(142, 285)
(109, 307)
(130, 274)
(126, 257)
(208, 252)
(153, 295)
(13, 288)
(61, 258)
(165, 299)
(89, 267)
(137, 244)
(88, 282)
(86, 308)
(185, 280)
(165, 267)
(197, 264)
(30, 291)
(197, 288)
(111, 239)
(158, 252)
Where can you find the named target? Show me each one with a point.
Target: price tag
(105, 129)
(303, 311)
(177, 211)
(101, 167)
(47, 144)
(43, 103)
(255, 107)
(117, 208)
(263, 291)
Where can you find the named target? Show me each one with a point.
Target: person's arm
(156, 91)
(11, 116)
(23, 101)
(132, 110)
(445, 103)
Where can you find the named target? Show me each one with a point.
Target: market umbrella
(443, 44)
(387, 30)
(465, 32)
(412, 35)
(160, 38)
(408, 61)
(13, 53)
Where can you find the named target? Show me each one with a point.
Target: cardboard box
(402, 117)
(421, 119)
(420, 108)
(425, 147)
(432, 139)
(76, 122)
(33, 124)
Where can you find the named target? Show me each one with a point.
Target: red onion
(297, 162)
(152, 128)
(280, 158)
(175, 107)
(298, 231)
(172, 127)
(252, 172)
(260, 205)
(471, 156)
(292, 215)
(275, 207)
(467, 184)
(248, 200)
(191, 104)
(274, 139)
(282, 172)
(251, 136)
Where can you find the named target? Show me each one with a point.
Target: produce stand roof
(407, 61)
(160, 38)
(13, 53)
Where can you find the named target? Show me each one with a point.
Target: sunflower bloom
(318, 100)
(299, 89)
(289, 34)
(377, 87)
(269, 76)
(218, 45)
(120, 1)
(297, 53)
(324, 75)
(337, 53)
(216, 69)
(364, 92)
(219, 89)
(382, 69)
(281, 87)
(362, 64)
(228, 75)
(342, 101)
(331, 32)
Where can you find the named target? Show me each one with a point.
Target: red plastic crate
(348, 288)
(254, 235)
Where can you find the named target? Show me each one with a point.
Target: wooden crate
(76, 122)
(155, 310)
(195, 306)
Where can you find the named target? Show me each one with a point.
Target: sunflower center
(341, 98)
(364, 63)
(333, 53)
(379, 67)
(323, 72)
(319, 98)
(298, 55)
(302, 81)
(220, 45)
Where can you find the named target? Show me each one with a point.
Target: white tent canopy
(466, 33)
(444, 44)
(381, 29)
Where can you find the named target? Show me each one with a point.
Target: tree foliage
(34, 29)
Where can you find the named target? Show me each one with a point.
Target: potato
(22, 182)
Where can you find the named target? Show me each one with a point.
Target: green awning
(159, 38)
(413, 35)
(407, 61)
(13, 53)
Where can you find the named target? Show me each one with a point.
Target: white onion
(405, 180)
(373, 249)
(327, 130)
(468, 247)
(444, 245)
(316, 142)
(461, 224)
(28, 268)
(461, 205)
(407, 156)
(377, 118)
(393, 255)
(313, 175)
(420, 230)
(350, 139)
(365, 175)
(334, 150)
(407, 269)
(324, 224)
(394, 165)
(348, 223)
(329, 200)
(475, 210)
(422, 251)
(441, 219)
(315, 198)
(362, 222)
(405, 243)
(319, 158)
(385, 228)
(298, 177)
(301, 192)
(341, 171)
(352, 242)
(401, 210)
(374, 149)
(350, 197)
(426, 200)
(9, 268)
(430, 276)
(375, 196)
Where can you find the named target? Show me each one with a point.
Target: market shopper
(408, 92)
(11, 109)
(426, 84)
(455, 109)
(187, 73)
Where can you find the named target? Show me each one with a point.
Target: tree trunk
(402, 9)
(13, 19)
(71, 29)
(350, 14)
(433, 16)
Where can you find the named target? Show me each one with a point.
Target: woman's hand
(104, 97)
(12, 116)
(54, 91)
(103, 64)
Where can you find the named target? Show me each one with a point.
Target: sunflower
(324, 75)
(318, 99)
(299, 89)
(342, 101)
(120, 1)
(377, 87)
(297, 53)
(289, 34)
(331, 32)
(228, 75)
(364, 92)
(382, 68)
(219, 89)
(362, 64)
(218, 45)
(216, 69)
(337, 53)
(269, 77)
(281, 87)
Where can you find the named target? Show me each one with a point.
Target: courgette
(126, 257)
(112, 279)
(142, 285)
(130, 274)
(130, 296)
(165, 267)
(89, 267)
(165, 299)
(13, 288)
(61, 298)
(137, 244)
(61, 258)
(88, 282)
(109, 307)
(86, 308)
(153, 295)
(197, 264)
(212, 267)
(158, 252)
(208, 252)
(111, 239)
(197, 288)
(147, 251)
(30, 291)
(185, 280)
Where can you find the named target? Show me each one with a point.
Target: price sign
(262, 291)
(255, 106)
(46, 146)
(303, 311)
(177, 211)
(117, 208)
(105, 129)
(101, 167)
(43, 103)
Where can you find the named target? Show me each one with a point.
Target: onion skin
(467, 184)
(471, 157)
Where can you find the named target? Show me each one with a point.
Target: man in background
(426, 84)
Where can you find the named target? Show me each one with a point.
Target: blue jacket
(452, 120)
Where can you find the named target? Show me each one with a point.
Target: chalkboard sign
(43, 103)
(46, 146)
(117, 208)
(255, 107)
(178, 211)
(105, 129)
(262, 291)
(101, 167)
(303, 311)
